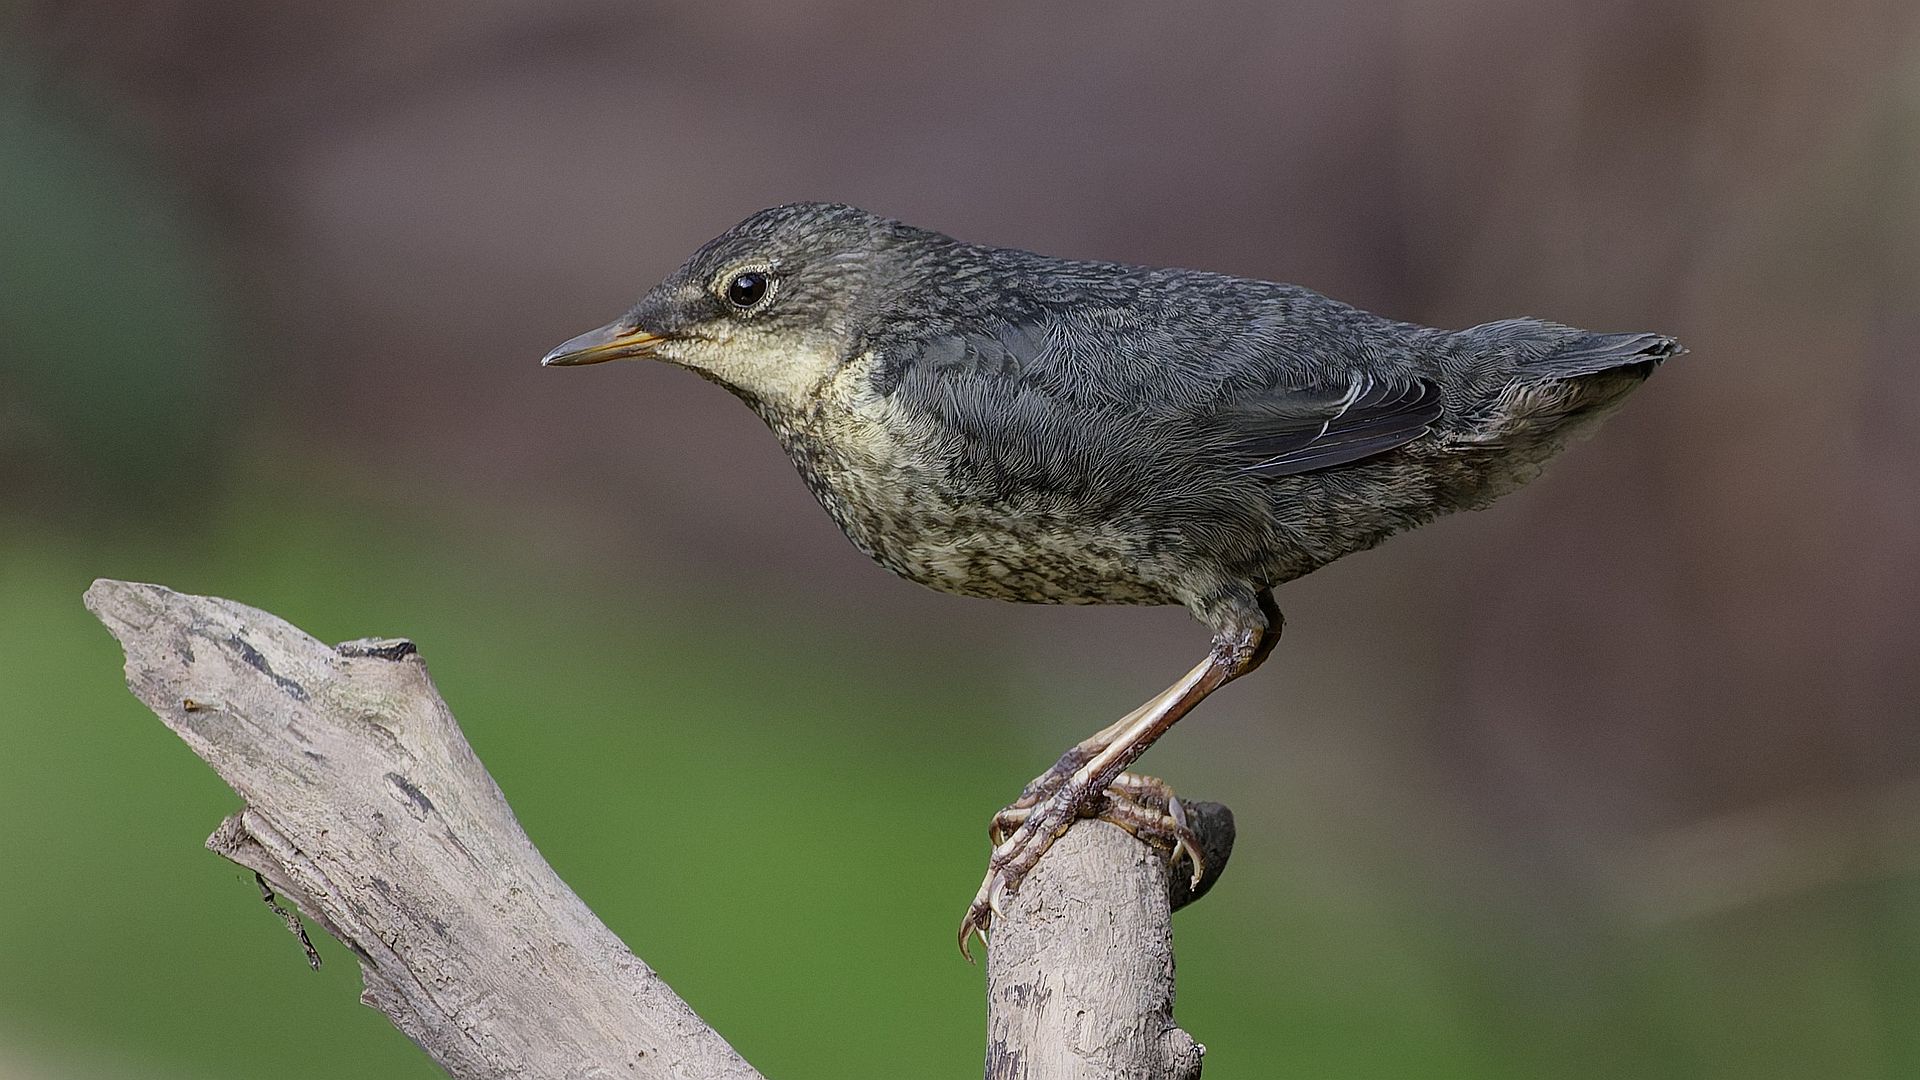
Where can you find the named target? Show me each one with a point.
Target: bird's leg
(1078, 783)
(1037, 789)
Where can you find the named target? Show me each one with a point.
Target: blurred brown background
(1621, 777)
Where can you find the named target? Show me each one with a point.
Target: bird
(997, 423)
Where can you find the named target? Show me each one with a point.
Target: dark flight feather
(1296, 431)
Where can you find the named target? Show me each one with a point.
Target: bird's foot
(1143, 805)
(1022, 833)
(1146, 807)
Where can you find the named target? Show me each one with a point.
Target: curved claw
(1008, 864)
(985, 906)
(975, 924)
(1185, 843)
(1178, 813)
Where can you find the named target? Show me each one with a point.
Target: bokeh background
(1619, 778)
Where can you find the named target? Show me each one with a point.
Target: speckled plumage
(1002, 424)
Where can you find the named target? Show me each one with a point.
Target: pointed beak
(614, 341)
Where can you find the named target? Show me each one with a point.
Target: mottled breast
(887, 478)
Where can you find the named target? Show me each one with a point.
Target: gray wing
(1010, 386)
(1292, 431)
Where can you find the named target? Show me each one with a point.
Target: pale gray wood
(366, 808)
(1080, 972)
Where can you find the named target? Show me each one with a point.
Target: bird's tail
(1530, 349)
(1590, 354)
(1554, 383)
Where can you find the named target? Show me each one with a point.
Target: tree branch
(366, 808)
(1080, 975)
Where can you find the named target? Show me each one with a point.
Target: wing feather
(1013, 381)
(1301, 430)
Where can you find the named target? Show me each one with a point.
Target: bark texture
(367, 809)
(1080, 972)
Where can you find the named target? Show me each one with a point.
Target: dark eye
(746, 289)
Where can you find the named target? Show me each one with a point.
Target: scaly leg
(1078, 783)
(1048, 782)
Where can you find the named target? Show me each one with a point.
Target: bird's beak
(614, 341)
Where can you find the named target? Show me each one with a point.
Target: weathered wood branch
(367, 809)
(1080, 976)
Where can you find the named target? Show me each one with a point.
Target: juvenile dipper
(997, 423)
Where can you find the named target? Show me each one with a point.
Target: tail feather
(1546, 384)
(1594, 353)
(1558, 380)
(1537, 349)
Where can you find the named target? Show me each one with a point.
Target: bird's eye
(747, 288)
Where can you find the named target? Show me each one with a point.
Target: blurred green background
(1621, 778)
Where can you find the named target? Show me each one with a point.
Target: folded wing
(1293, 431)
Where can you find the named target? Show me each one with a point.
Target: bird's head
(768, 308)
